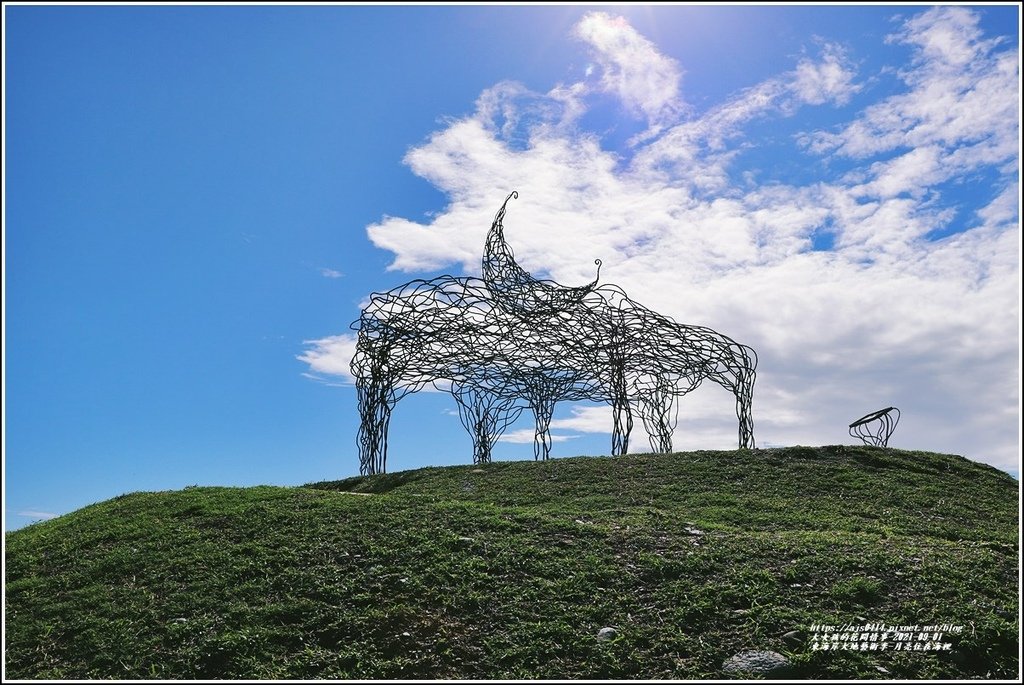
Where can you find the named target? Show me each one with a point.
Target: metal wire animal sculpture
(509, 342)
(876, 428)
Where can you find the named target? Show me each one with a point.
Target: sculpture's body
(510, 342)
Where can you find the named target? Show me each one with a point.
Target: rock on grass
(757, 663)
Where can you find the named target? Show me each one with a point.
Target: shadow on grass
(377, 484)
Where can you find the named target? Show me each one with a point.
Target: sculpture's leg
(622, 415)
(365, 438)
(542, 409)
(738, 377)
(375, 416)
(500, 415)
(382, 431)
(744, 391)
(657, 416)
(622, 425)
(474, 416)
(482, 439)
(485, 417)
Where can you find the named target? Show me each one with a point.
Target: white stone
(757, 663)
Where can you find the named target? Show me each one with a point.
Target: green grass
(510, 569)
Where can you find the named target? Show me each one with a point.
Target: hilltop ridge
(510, 569)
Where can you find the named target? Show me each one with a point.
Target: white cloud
(912, 172)
(828, 80)
(948, 38)
(38, 515)
(1003, 210)
(632, 68)
(962, 93)
(698, 151)
(330, 273)
(586, 419)
(523, 436)
(836, 283)
(331, 356)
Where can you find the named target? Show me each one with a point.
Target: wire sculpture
(876, 428)
(508, 342)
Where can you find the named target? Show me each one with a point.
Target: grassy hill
(510, 570)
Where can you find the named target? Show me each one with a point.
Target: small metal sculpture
(510, 342)
(876, 428)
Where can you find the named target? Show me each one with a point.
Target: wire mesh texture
(877, 427)
(508, 342)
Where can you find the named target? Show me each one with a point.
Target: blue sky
(198, 200)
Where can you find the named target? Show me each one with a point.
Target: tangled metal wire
(876, 428)
(510, 342)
